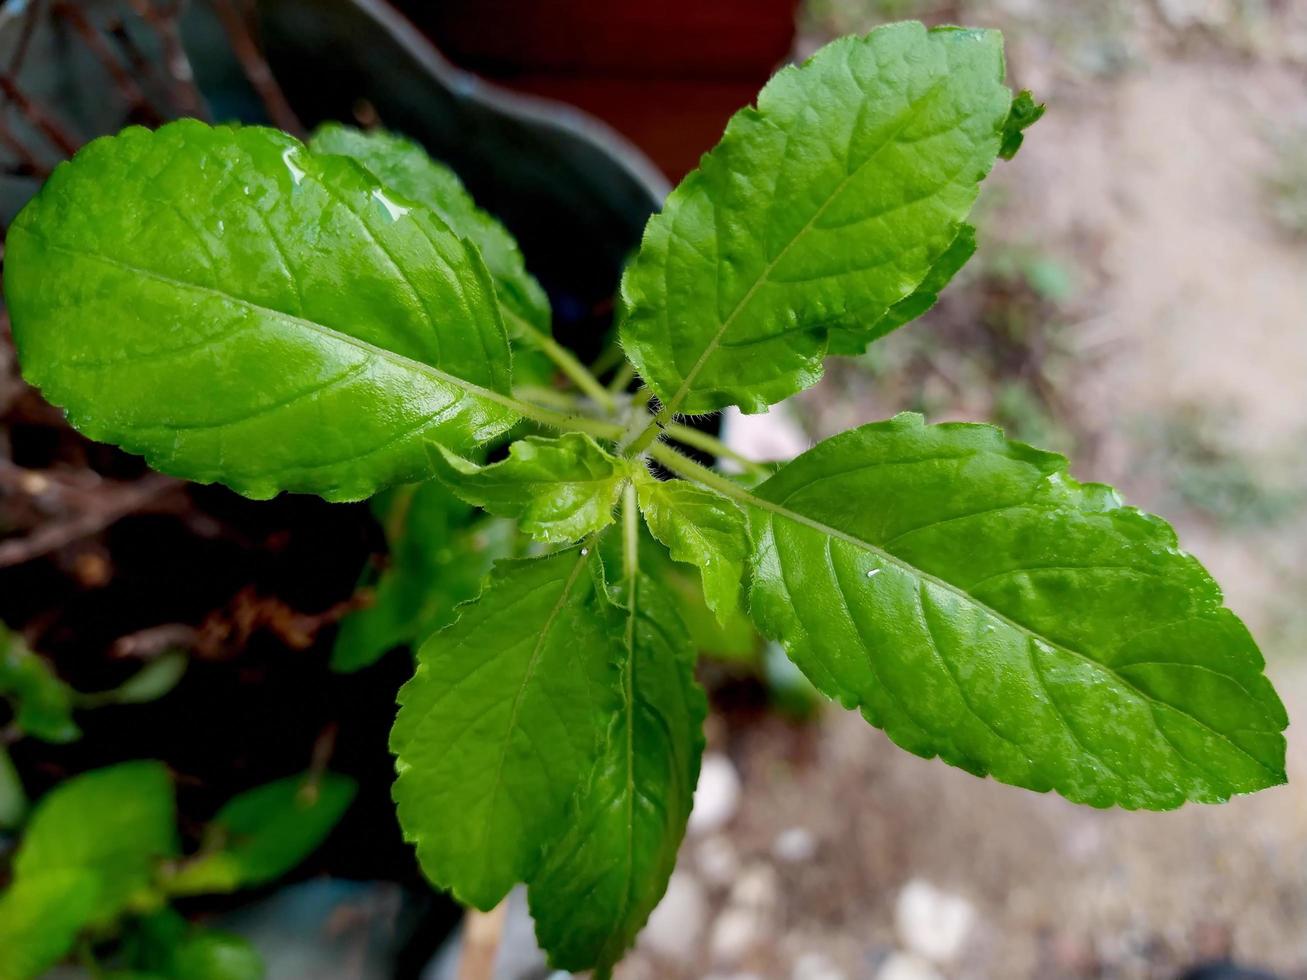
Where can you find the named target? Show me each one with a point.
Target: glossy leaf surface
(854, 342)
(980, 605)
(402, 165)
(602, 879)
(237, 309)
(704, 529)
(819, 211)
(503, 721)
(559, 489)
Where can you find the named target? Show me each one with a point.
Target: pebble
(795, 845)
(756, 888)
(717, 860)
(906, 966)
(717, 797)
(674, 928)
(773, 434)
(816, 966)
(736, 931)
(931, 922)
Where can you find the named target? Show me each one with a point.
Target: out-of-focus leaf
(440, 553)
(41, 916)
(43, 704)
(115, 823)
(264, 833)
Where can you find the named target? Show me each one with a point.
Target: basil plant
(338, 318)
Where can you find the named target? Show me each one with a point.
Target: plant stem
(687, 468)
(624, 376)
(573, 422)
(701, 440)
(648, 435)
(563, 359)
(481, 934)
(630, 534)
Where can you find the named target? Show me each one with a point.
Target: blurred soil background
(1138, 302)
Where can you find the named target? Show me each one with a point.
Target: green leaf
(602, 879)
(704, 529)
(980, 605)
(948, 265)
(502, 722)
(40, 917)
(818, 211)
(13, 797)
(440, 554)
(404, 166)
(559, 489)
(43, 704)
(165, 945)
(212, 955)
(235, 308)
(264, 833)
(116, 823)
(1024, 114)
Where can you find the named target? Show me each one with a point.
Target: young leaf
(40, 917)
(402, 165)
(559, 489)
(818, 211)
(43, 704)
(1024, 114)
(116, 823)
(854, 342)
(264, 833)
(980, 605)
(439, 555)
(701, 528)
(237, 309)
(602, 879)
(503, 721)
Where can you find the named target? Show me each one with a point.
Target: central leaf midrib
(322, 329)
(905, 566)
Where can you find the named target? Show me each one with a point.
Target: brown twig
(100, 509)
(38, 117)
(185, 95)
(30, 21)
(256, 69)
(226, 632)
(130, 92)
(28, 165)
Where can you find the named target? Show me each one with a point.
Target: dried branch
(37, 116)
(32, 18)
(130, 92)
(256, 68)
(185, 95)
(99, 508)
(28, 165)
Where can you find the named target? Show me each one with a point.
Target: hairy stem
(691, 436)
(564, 360)
(688, 469)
